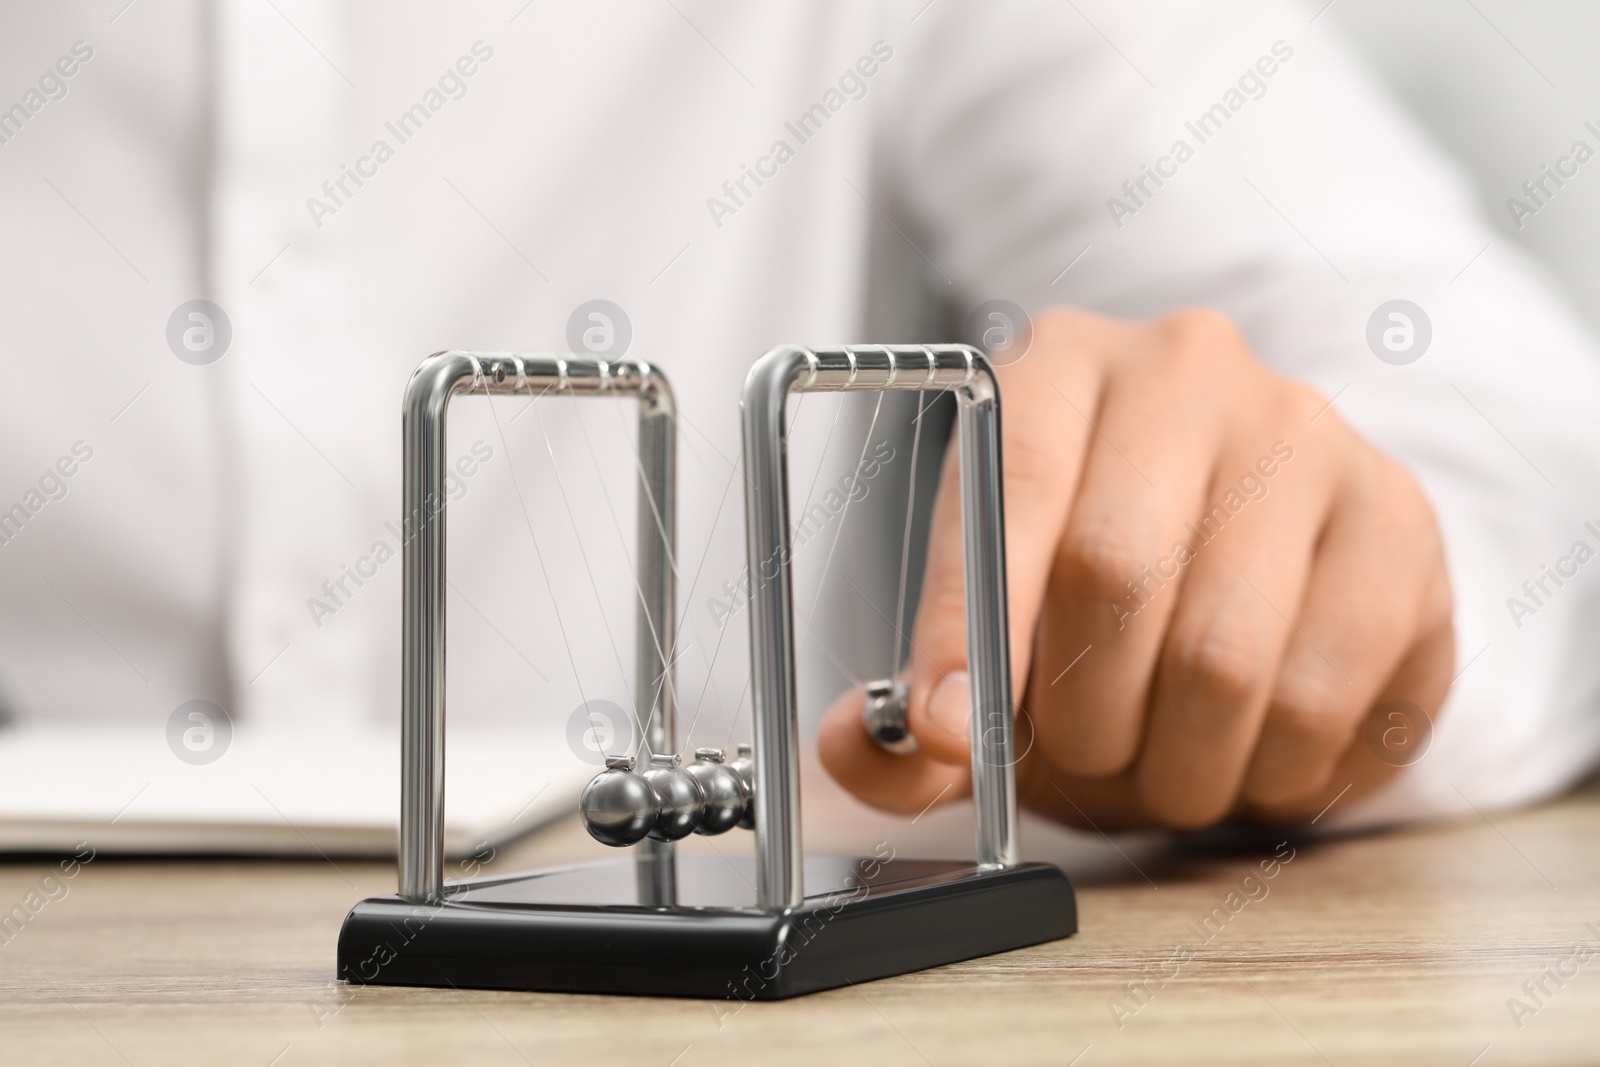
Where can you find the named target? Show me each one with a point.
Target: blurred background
(1504, 88)
(219, 537)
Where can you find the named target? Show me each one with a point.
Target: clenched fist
(1213, 583)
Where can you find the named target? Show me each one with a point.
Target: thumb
(1042, 448)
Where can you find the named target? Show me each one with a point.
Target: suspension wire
(622, 541)
(905, 539)
(577, 675)
(583, 553)
(844, 514)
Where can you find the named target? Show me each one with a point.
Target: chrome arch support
(436, 381)
(863, 368)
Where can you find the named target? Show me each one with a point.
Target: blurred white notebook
(274, 792)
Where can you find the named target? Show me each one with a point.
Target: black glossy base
(861, 919)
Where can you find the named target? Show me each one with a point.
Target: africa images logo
(199, 732)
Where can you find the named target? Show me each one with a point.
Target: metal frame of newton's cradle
(766, 927)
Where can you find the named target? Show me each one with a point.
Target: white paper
(123, 790)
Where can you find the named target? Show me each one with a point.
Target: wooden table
(1394, 948)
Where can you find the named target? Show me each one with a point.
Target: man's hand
(1213, 582)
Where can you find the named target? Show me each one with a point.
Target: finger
(1093, 803)
(903, 784)
(1117, 572)
(1042, 453)
(1380, 562)
(1229, 631)
(1421, 683)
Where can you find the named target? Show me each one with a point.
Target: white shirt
(951, 152)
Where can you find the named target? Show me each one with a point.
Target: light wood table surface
(1400, 948)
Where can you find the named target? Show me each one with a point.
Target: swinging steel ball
(726, 795)
(619, 807)
(683, 802)
(884, 717)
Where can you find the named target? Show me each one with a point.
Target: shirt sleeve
(1240, 158)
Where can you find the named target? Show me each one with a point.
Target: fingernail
(949, 709)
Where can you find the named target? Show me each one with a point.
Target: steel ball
(744, 766)
(683, 802)
(884, 717)
(619, 807)
(726, 795)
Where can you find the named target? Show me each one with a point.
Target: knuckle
(1299, 403)
(1309, 707)
(1412, 521)
(1096, 561)
(1405, 498)
(1221, 660)
(1400, 512)
(1202, 334)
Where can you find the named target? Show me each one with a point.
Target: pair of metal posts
(780, 373)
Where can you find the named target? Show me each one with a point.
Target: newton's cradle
(658, 923)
